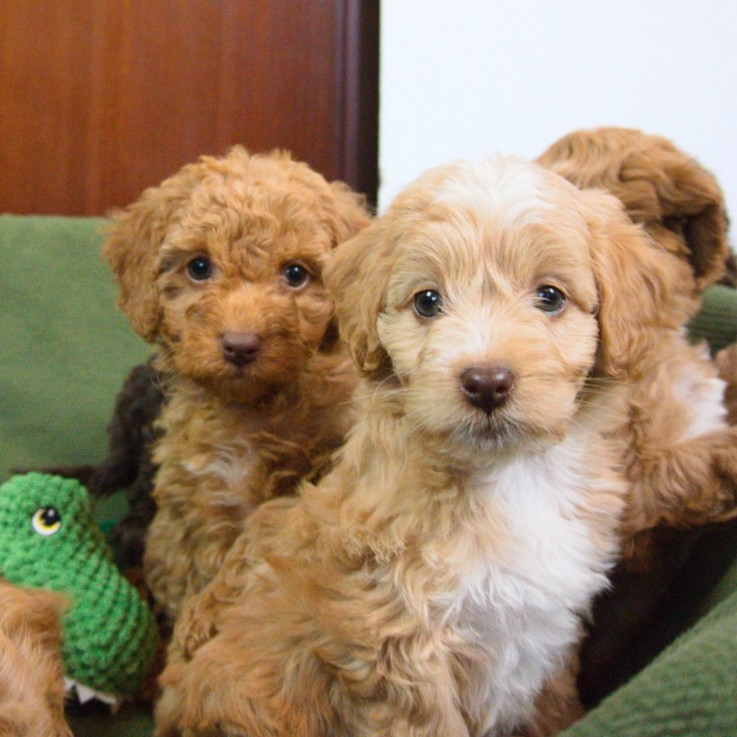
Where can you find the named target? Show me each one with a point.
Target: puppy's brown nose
(240, 349)
(487, 388)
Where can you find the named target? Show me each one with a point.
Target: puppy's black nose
(240, 349)
(487, 387)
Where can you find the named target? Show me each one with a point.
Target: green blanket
(65, 348)
(65, 353)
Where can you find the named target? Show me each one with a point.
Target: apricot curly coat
(31, 673)
(220, 267)
(435, 580)
(681, 456)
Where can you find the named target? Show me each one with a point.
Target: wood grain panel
(101, 98)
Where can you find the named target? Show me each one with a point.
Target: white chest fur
(700, 394)
(520, 605)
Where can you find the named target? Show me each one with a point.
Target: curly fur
(681, 457)
(678, 202)
(31, 674)
(234, 431)
(726, 361)
(435, 580)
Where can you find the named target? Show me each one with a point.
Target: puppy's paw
(714, 496)
(724, 470)
(694, 483)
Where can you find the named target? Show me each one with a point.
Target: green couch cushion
(65, 348)
(716, 322)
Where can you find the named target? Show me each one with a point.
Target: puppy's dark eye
(200, 268)
(296, 275)
(428, 303)
(550, 299)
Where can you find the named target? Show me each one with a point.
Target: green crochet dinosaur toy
(50, 540)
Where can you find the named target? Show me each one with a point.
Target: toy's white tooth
(85, 693)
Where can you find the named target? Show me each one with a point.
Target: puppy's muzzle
(240, 349)
(487, 387)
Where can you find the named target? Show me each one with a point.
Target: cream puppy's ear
(356, 275)
(132, 248)
(634, 285)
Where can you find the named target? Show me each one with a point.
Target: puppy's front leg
(407, 689)
(198, 621)
(263, 688)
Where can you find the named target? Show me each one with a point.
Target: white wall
(460, 78)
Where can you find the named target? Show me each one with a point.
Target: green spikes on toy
(50, 540)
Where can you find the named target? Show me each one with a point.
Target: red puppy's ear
(677, 200)
(132, 247)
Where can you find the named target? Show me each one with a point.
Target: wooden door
(102, 98)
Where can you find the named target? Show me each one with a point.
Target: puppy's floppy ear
(637, 298)
(692, 207)
(671, 193)
(678, 201)
(346, 215)
(356, 275)
(351, 212)
(132, 246)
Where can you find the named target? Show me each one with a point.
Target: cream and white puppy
(434, 582)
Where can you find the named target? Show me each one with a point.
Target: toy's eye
(550, 299)
(296, 275)
(46, 521)
(428, 303)
(200, 268)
